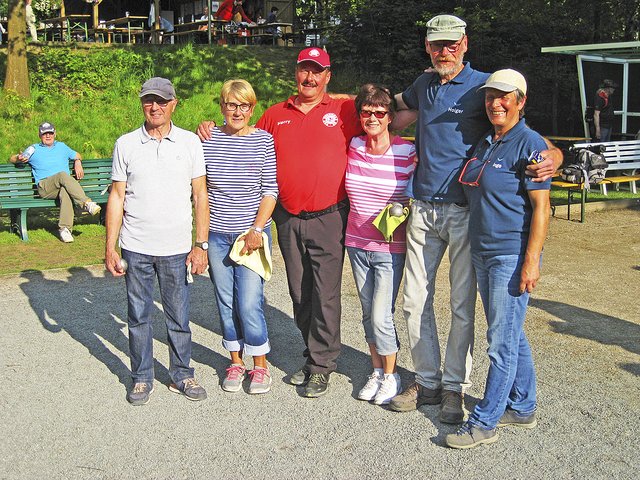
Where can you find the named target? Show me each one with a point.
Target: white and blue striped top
(240, 171)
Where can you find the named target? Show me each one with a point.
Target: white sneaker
(92, 207)
(370, 388)
(389, 388)
(65, 235)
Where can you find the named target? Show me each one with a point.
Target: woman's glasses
(232, 107)
(472, 171)
(368, 113)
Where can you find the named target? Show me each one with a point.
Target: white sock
(379, 372)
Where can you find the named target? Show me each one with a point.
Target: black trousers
(313, 252)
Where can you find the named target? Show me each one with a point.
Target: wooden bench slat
(18, 192)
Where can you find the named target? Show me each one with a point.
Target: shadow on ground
(595, 326)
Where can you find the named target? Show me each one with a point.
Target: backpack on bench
(586, 165)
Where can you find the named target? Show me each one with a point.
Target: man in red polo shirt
(312, 132)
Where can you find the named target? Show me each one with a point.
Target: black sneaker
(190, 389)
(317, 385)
(451, 407)
(301, 377)
(139, 393)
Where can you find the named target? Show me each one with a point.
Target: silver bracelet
(257, 229)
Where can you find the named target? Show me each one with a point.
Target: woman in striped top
(241, 182)
(380, 166)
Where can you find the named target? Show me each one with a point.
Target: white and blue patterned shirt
(241, 170)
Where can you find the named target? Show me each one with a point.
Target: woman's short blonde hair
(241, 89)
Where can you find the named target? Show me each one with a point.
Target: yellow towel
(259, 260)
(387, 223)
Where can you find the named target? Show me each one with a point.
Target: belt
(304, 215)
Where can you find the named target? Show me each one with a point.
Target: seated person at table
(231, 10)
(205, 16)
(49, 162)
(271, 18)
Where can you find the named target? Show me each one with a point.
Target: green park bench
(18, 192)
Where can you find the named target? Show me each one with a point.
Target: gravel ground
(64, 364)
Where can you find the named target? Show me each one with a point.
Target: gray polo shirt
(157, 205)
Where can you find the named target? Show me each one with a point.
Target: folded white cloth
(259, 260)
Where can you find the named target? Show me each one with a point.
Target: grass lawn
(44, 250)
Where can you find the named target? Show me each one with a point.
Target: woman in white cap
(241, 181)
(507, 228)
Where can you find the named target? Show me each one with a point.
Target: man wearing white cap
(157, 170)
(49, 162)
(451, 120)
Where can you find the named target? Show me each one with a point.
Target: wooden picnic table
(131, 24)
(67, 25)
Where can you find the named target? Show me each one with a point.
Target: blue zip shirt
(451, 121)
(500, 209)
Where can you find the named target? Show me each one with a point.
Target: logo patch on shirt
(284, 122)
(330, 119)
(498, 163)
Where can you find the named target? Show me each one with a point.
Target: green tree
(17, 74)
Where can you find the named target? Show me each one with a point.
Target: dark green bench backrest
(16, 180)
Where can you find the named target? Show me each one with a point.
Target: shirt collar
(515, 131)
(145, 137)
(291, 101)
(462, 77)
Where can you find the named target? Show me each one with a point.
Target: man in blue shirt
(49, 162)
(451, 120)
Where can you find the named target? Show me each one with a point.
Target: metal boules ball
(124, 264)
(396, 210)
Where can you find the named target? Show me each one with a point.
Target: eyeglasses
(232, 107)
(472, 171)
(449, 47)
(368, 113)
(161, 102)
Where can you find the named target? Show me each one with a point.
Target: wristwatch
(202, 245)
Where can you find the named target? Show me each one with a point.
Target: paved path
(64, 370)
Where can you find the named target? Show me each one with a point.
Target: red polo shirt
(311, 151)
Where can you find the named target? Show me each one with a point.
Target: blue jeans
(378, 276)
(432, 228)
(171, 272)
(239, 296)
(511, 381)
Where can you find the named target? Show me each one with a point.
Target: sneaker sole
(174, 388)
(414, 406)
(140, 403)
(261, 391)
(528, 426)
(231, 389)
(486, 441)
(315, 394)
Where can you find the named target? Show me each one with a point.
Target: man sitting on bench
(49, 162)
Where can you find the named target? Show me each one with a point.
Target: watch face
(205, 245)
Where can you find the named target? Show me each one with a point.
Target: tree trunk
(17, 75)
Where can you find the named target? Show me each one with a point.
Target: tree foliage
(383, 41)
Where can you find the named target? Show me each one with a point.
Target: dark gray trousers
(313, 252)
